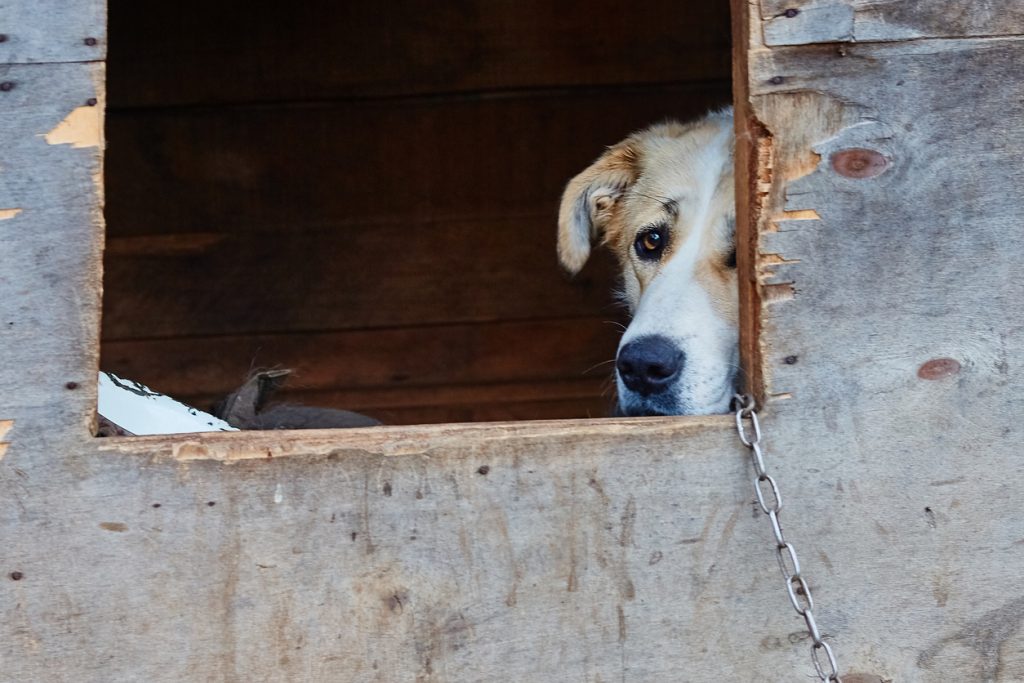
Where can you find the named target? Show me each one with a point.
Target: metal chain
(770, 500)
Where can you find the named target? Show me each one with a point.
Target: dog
(663, 200)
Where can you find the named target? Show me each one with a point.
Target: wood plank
(377, 276)
(582, 550)
(499, 411)
(890, 277)
(193, 52)
(585, 397)
(50, 234)
(525, 351)
(53, 31)
(321, 166)
(801, 22)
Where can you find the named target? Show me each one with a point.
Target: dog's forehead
(669, 177)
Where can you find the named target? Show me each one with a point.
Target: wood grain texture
(195, 52)
(441, 373)
(50, 269)
(899, 270)
(401, 274)
(53, 31)
(322, 166)
(800, 22)
(581, 550)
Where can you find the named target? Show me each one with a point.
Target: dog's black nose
(649, 365)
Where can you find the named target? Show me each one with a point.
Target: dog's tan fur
(680, 177)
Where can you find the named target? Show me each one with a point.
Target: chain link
(770, 500)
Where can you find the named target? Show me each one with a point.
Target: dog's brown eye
(650, 243)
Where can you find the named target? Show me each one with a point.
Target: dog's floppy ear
(588, 201)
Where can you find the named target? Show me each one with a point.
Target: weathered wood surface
(50, 229)
(53, 31)
(801, 22)
(895, 334)
(594, 551)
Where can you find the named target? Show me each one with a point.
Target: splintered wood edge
(752, 144)
(405, 440)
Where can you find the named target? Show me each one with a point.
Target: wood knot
(859, 163)
(937, 368)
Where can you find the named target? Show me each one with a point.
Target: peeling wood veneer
(5, 426)
(82, 128)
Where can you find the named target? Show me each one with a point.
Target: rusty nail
(937, 368)
(776, 80)
(483, 469)
(91, 42)
(7, 86)
(790, 360)
(71, 385)
(91, 101)
(792, 12)
(17, 576)
(859, 163)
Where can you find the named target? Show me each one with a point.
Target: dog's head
(663, 201)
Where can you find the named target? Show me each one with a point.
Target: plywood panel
(53, 31)
(786, 22)
(890, 341)
(617, 550)
(201, 52)
(50, 232)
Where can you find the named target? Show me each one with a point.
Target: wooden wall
(581, 550)
(366, 192)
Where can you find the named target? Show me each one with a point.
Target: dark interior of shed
(366, 192)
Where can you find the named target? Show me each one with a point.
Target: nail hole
(483, 469)
(91, 42)
(7, 86)
(16, 576)
(71, 385)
